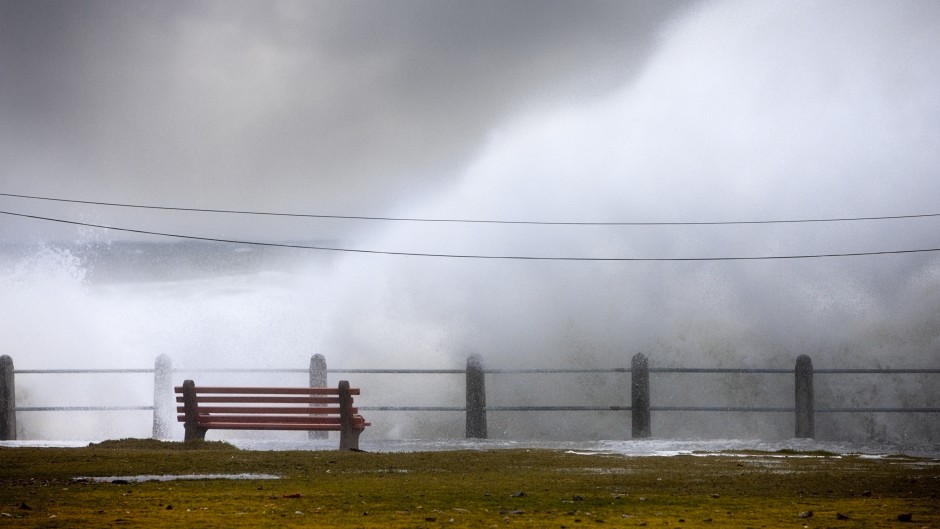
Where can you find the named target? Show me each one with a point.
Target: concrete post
(805, 427)
(348, 436)
(163, 397)
(7, 400)
(476, 399)
(193, 431)
(640, 396)
(317, 380)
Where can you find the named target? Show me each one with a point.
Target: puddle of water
(169, 477)
(593, 470)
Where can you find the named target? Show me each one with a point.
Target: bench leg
(195, 433)
(349, 439)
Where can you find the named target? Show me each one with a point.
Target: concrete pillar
(317, 380)
(476, 399)
(805, 427)
(348, 436)
(164, 409)
(640, 396)
(193, 431)
(7, 400)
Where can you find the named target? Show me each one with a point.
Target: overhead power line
(469, 221)
(469, 256)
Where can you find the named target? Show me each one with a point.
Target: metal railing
(475, 408)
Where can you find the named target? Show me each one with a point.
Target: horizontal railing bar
(84, 408)
(790, 410)
(551, 371)
(877, 410)
(412, 408)
(242, 370)
(875, 371)
(334, 371)
(402, 371)
(78, 371)
(558, 408)
(487, 371)
(719, 370)
(722, 408)
(532, 408)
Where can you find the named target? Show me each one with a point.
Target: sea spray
(747, 111)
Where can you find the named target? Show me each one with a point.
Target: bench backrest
(263, 407)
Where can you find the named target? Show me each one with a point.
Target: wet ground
(642, 447)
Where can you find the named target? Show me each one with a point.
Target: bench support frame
(349, 427)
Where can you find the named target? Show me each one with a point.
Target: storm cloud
(339, 107)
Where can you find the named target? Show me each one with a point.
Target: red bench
(251, 408)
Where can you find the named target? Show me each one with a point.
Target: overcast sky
(367, 108)
(334, 107)
(560, 111)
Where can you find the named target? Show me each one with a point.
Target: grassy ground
(514, 488)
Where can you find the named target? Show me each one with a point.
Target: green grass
(516, 488)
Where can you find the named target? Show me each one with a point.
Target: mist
(728, 111)
(747, 112)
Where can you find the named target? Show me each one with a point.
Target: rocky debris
(24, 507)
(715, 495)
(518, 494)
(806, 514)
(840, 516)
(905, 517)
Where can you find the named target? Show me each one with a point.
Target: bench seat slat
(269, 410)
(205, 390)
(278, 426)
(267, 399)
(212, 420)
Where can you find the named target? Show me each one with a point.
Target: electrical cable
(470, 221)
(470, 256)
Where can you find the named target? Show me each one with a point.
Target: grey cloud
(305, 105)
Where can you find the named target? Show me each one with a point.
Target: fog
(711, 112)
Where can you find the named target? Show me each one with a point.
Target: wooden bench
(253, 408)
